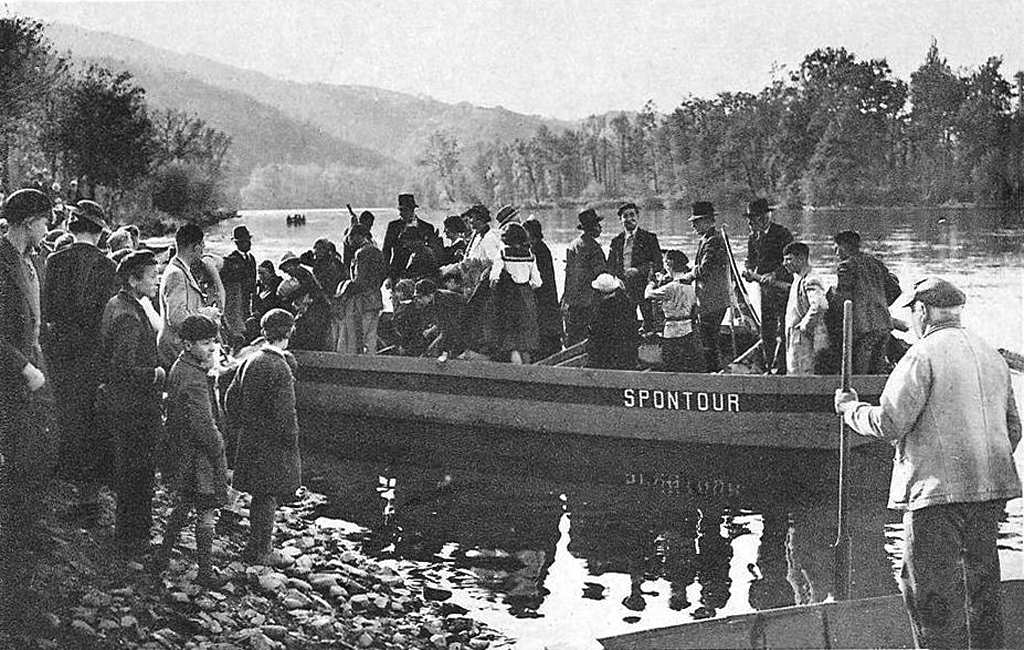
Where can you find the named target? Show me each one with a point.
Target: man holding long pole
(948, 409)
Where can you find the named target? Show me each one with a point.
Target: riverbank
(81, 590)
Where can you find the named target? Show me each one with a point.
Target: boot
(207, 576)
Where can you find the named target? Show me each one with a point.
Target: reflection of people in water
(809, 556)
(678, 553)
(714, 554)
(770, 588)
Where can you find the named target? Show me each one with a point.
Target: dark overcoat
(613, 333)
(261, 404)
(129, 357)
(549, 316)
(239, 278)
(396, 254)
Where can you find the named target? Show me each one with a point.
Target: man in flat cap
(633, 256)
(764, 265)
(584, 261)
(80, 281)
(948, 409)
(397, 254)
(239, 277)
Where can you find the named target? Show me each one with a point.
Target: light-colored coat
(805, 323)
(180, 297)
(948, 409)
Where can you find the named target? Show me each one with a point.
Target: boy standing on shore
(195, 445)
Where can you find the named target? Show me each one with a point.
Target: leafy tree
(104, 129)
(442, 157)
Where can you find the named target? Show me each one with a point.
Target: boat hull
(737, 410)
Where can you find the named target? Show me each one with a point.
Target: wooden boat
(866, 623)
(719, 409)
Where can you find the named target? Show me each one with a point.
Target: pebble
(276, 632)
(479, 644)
(436, 593)
(439, 641)
(365, 640)
(83, 628)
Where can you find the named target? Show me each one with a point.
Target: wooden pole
(843, 546)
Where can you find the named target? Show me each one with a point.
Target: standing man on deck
(397, 254)
(864, 280)
(764, 266)
(948, 409)
(633, 256)
(584, 261)
(711, 275)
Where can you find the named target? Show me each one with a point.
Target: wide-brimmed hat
(703, 210)
(241, 233)
(588, 219)
(757, 208)
(90, 211)
(606, 283)
(288, 257)
(505, 214)
(932, 291)
(407, 201)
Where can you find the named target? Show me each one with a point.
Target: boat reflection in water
(596, 536)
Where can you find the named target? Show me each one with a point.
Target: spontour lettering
(680, 400)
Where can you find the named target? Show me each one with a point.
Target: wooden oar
(841, 550)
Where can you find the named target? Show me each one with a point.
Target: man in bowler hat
(239, 277)
(711, 277)
(584, 261)
(396, 254)
(764, 266)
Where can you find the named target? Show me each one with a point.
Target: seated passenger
(613, 337)
(440, 315)
(455, 230)
(312, 321)
(422, 264)
(405, 321)
(680, 350)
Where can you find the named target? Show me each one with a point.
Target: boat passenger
(194, 452)
(405, 319)
(613, 336)
(710, 276)
(422, 261)
(949, 410)
(867, 282)
(396, 254)
(312, 321)
(549, 316)
(681, 352)
(439, 320)
(297, 277)
(482, 252)
(328, 267)
(361, 299)
(515, 308)
(455, 229)
(266, 297)
(365, 218)
(634, 255)
(806, 335)
(584, 261)
(764, 266)
(261, 403)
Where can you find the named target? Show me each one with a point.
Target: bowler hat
(241, 233)
(505, 214)
(90, 211)
(756, 208)
(407, 201)
(26, 204)
(588, 219)
(629, 205)
(932, 291)
(702, 210)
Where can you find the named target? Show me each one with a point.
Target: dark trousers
(710, 327)
(773, 331)
(134, 436)
(950, 577)
(682, 354)
(261, 525)
(577, 323)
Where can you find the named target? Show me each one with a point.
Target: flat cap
(933, 291)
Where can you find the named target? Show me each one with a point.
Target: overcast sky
(565, 59)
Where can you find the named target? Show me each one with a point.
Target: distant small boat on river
(296, 219)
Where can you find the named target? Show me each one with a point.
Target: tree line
(836, 131)
(61, 123)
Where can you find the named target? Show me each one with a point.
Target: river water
(558, 542)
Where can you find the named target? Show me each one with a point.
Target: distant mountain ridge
(362, 121)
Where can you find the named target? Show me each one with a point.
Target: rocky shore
(82, 591)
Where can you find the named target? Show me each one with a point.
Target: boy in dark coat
(613, 337)
(129, 407)
(261, 402)
(196, 444)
